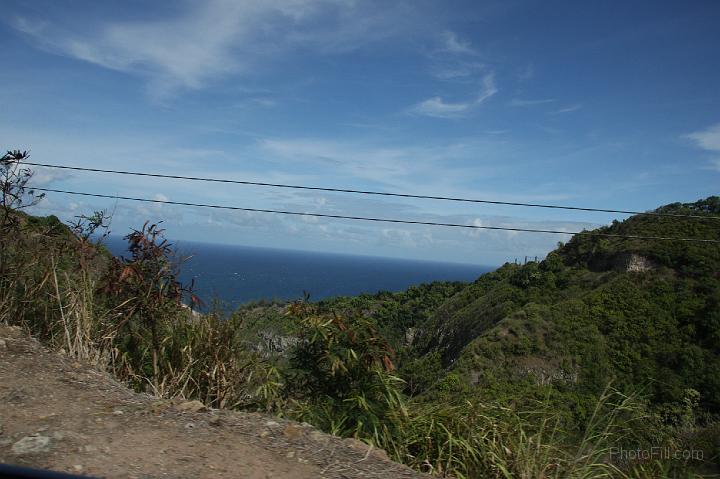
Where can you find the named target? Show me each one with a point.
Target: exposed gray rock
(31, 445)
(410, 336)
(623, 261)
(637, 264)
(274, 343)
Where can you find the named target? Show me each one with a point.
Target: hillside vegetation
(548, 369)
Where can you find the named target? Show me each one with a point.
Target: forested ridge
(641, 315)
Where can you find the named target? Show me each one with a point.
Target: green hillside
(642, 315)
(585, 316)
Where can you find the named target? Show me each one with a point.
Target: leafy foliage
(341, 371)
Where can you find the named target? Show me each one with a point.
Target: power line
(379, 220)
(369, 192)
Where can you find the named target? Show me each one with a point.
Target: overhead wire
(370, 192)
(375, 219)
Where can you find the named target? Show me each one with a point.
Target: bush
(341, 375)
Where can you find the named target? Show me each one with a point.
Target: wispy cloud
(438, 108)
(520, 102)
(211, 39)
(456, 70)
(455, 59)
(455, 62)
(382, 165)
(708, 140)
(445, 168)
(181, 52)
(452, 44)
(29, 27)
(568, 109)
(46, 176)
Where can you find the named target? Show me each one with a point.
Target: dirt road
(60, 414)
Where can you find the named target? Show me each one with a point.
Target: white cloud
(456, 70)
(345, 159)
(455, 60)
(430, 166)
(709, 140)
(210, 39)
(31, 28)
(475, 232)
(185, 51)
(464, 167)
(438, 108)
(46, 176)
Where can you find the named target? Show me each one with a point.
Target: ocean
(238, 274)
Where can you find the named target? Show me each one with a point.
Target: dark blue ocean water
(237, 274)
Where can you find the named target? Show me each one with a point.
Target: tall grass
(66, 290)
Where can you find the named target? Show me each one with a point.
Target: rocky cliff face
(638, 264)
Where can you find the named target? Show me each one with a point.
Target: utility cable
(379, 220)
(370, 192)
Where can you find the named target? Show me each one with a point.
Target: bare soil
(60, 414)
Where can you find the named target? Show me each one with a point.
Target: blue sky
(603, 104)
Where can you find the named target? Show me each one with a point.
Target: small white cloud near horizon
(708, 140)
(46, 176)
(438, 108)
(477, 222)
